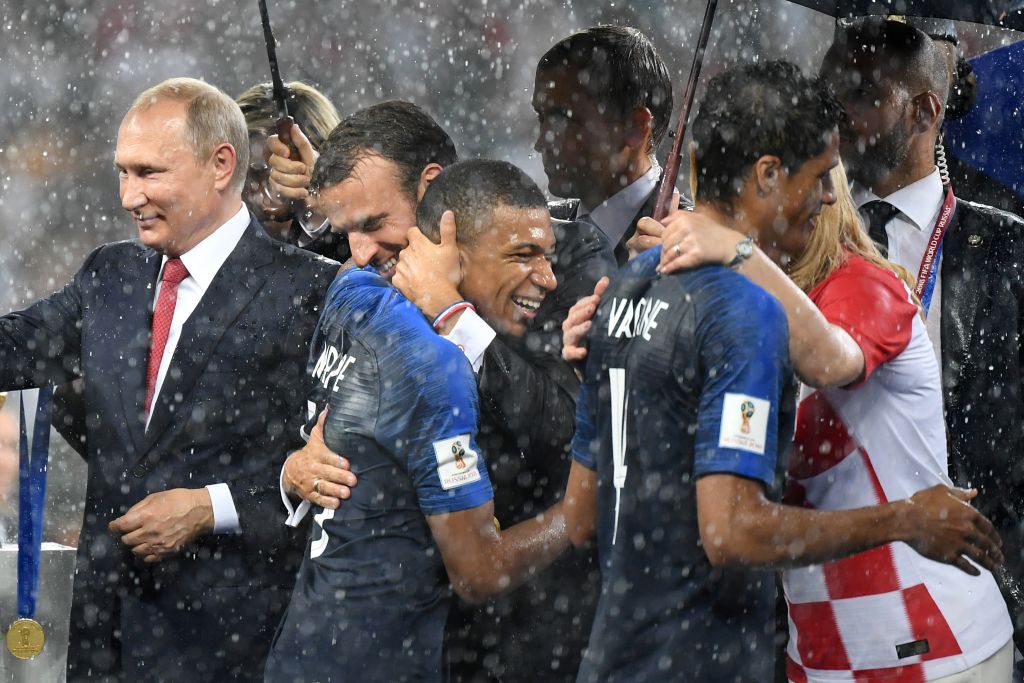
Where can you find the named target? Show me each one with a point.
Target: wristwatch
(743, 251)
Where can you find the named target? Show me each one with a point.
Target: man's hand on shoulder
(577, 323)
(942, 526)
(160, 524)
(429, 274)
(317, 474)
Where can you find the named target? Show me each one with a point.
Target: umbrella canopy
(990, 138)
(978, 11)
(993, 12)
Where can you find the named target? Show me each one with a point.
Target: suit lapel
(131, 337)
(230, 292)
(959, 263)
(621, 250)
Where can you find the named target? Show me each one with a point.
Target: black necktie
(879, 213)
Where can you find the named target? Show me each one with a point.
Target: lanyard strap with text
(929, 271)
(31, 496)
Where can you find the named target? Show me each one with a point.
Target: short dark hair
(398, 131)
(472, 190)
(623, 70)
(755, 110)
(907, 54)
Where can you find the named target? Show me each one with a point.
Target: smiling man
(374, 589)
(370, 175)
(190, 340)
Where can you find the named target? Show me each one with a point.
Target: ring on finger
(677, 250)
(316, 486)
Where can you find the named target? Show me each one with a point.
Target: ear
(766, 175)
(429, 172)
(927, 112)
(640, 126)
(224, 161)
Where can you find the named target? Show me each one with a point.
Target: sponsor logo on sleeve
(744, 423)
(456, 462)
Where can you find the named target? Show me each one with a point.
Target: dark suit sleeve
(42, 344)
(257, 497)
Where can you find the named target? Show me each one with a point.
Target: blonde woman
(869, 430)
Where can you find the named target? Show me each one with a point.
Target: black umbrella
(1003, 13)
(284, 121)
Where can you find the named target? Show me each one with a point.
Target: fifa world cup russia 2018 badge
(460, 455)
(747, 412)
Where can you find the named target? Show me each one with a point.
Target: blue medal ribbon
(933, 277)
(31, 496)
(928, 274)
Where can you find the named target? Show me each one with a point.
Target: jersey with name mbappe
(688, 375)
(372, 594)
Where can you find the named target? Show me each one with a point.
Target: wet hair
(472, 190)
(838, 235)
(904, 54)
(398, 131)
(211, 118)
(623, 71)
(755, 110)
(314, 113)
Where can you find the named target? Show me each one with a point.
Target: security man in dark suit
(894, 82)
(603, 98)
(191, 341)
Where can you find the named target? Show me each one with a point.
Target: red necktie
(174, 273)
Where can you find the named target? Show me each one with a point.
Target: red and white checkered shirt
(886, 614)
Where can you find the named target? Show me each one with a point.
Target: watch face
(745, 248)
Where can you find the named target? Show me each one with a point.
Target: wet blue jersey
(372, 595)
(688, 375)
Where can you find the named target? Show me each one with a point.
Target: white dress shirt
(909, 231)
(202, 262)
(615, 214)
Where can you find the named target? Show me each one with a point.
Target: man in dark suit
(893, 82)
(192, 342)
(603, 98)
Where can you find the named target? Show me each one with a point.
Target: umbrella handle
(662, 206)
(284, 129)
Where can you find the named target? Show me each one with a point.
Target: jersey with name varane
(688, 375)
(372, 595)
(886, 614)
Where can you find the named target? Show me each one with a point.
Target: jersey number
(317, 547)
(620, 404)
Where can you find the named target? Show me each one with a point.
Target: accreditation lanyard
(928, 274)
(31, 496)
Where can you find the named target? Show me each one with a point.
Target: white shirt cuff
(472, 335)
(225, 516)
(295, 514)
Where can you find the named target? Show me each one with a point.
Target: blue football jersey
(688, 375)
(372, 595)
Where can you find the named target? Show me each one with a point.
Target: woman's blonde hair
(836, 236)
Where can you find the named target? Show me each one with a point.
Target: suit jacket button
(139, 470)
(974, 240)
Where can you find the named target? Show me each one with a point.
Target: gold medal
(25, 638)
